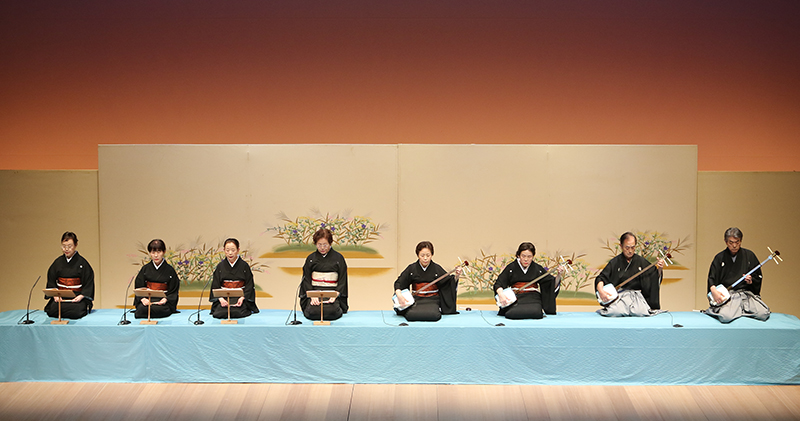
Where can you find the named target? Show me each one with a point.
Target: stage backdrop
(474, 202)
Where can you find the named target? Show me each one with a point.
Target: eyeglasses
(67, 246)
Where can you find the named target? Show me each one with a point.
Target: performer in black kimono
(535, 298)
(71, 271)
(325, 269)
(729, 266)
(157, 275)
(432, 302)
(233, 272)
(639, 297)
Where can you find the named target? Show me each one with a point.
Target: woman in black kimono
(435, 300)
(157, 275)
(325, 269)
(535, 298)
(72, 272)
(233, 272)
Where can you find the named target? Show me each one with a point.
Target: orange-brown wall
(719, 74)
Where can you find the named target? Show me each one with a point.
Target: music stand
(149, 294)
(321, 295)
(227, 293)
(63, 293)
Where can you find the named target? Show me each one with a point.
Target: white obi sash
(324, 279)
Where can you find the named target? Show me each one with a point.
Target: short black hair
(156, 245)
(424, 245)
(526, 246)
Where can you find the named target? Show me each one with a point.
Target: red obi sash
(232, 284)
(158, 286)
(71, 284)
(431, 291)
(530, 288)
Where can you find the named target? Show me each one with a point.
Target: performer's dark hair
(733, 232)
(156, 245)
(626, 235)
(424, 245)
(231, 240)
(323, 233)
(69, 235)
(526, 246)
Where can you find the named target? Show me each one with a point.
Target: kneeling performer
(325, 269)
(640, 294)
(532, 299)
(157, 275)
(434, 300)
(233, 272)
(727, 267)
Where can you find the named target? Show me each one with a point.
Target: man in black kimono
(324, 270)
(71, 271)
(639, 297)
(157, 275)
(729, 266)
(233, 272)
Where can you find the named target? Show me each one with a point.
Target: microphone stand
(199, 303)
(294, 309)
(125, 320)
(28, 320)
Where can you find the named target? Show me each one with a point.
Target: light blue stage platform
(370, 347)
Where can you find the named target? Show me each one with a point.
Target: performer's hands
(502, 297)
(330, 300)
(77, 299)
(716, 295)
(458, 272)
(57, 299)
(223, 302)
(748, 278)
(240, 301)
(604, 296)
(145, 302)
(660, 263)
(314, 301)
(162, 301)
(561, 271)
(400, 299)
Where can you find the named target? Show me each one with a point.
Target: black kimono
(725, 271)
(163, 278)
(745, 299)
(535, 298)
(239, 271)
(432, 302)
(618, 270)
(318, 274)
(76, 268)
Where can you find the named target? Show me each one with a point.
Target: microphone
(199, 303)
(294, 309)
(28, 320)
(125, 320)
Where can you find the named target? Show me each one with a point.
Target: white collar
(234, 262)
(524, 269)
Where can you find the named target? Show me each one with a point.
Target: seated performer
(727, 267)
(432, 302)
(233, 272)
(325, 269)
(71, 271)
(535, 298)
(639, 297)
(157, 275)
